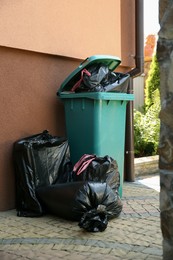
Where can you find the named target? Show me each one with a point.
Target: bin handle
(77, 84)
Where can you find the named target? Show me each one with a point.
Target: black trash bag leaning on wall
(39, 160)
(92, 204)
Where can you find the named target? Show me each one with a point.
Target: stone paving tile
(135, 234)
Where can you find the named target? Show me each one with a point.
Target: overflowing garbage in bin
(79, 177)
(98, 78)
(96, 74)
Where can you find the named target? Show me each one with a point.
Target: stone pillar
(165, 59)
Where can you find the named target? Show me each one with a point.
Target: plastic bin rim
(97, 95)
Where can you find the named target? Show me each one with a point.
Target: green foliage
(152, 83)
(147, 128)
(147, 123)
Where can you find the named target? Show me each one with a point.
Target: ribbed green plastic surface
(98, 95)
(95, 124)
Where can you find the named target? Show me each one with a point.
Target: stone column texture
(165, 59)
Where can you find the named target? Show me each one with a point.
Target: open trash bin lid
(111, 61)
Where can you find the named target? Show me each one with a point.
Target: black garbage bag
(58, 199)
(98, 169)
(39, 160)
(90, 203)
(99, 78)
(94, 220)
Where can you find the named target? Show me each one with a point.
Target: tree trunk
(165, 59)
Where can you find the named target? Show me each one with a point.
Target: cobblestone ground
(135, 234)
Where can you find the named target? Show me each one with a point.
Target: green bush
(147, 123)
(152, 83)
(146, 129)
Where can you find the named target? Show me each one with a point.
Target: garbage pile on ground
(47, 182)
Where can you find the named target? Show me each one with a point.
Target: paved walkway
(134, 235)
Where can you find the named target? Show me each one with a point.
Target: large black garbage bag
(99, 78)
(39, 160)
(59, 198)
(90, 203)
(98, 169)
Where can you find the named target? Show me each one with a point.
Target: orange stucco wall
(70, 28)
(28, 105)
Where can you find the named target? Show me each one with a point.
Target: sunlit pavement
(135, 234)
(152, 182)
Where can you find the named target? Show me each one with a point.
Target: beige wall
(70, 28)
(28, 105)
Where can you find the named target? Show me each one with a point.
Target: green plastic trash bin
(95, 121)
